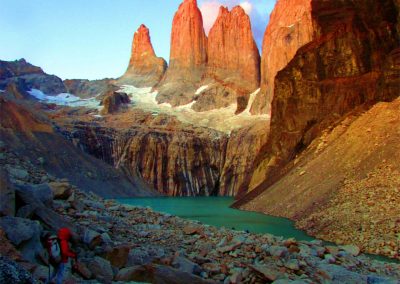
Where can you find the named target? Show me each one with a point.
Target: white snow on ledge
(201, 89)
(2, 91)
(65, 99)
(223, 119)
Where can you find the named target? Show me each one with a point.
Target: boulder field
(120, 243)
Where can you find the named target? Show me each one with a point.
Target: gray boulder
(339, 274)
(24, 234)
(31, 193)
(18, 174)
(153, 273)
(101, 269)
(143, 255)
(185, 265)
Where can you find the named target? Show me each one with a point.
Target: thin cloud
(209, 9)
(247, 6)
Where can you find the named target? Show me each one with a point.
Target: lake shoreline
(158, 204)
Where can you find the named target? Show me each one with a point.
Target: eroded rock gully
(174, 158)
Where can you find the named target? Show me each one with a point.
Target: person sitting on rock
(64, 235)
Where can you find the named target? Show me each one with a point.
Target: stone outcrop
(113, 101)
(145, 68)
(174, 159)
(290, 27)
(32, 76)
(188, 56)
(353, 60)
(233, 67)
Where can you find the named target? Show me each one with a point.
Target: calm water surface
(215, 211)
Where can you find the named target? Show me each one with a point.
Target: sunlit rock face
(145, 68)
(233, 68)
(290, 27)
(188, 56)
(350, 61)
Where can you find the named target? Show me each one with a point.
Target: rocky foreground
(120, 243)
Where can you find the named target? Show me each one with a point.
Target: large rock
(7, 195)
(118, 256)
(101, 269)
(158, 274)
(24, 234)
(52, 220)
(233, 65)
(183, 264)
(188, 56)
(145, 68)
(31, 194)
(61, 190)
(113, 101)
(91, 238)
(146, 255)
(290, 27)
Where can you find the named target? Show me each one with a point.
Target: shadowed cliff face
(145, 68)
(242, 148)
(188, 56)
(352, 60)
(175, 159)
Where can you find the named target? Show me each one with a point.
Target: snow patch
(250, 103)
(223, 119)
(2, 91)
(65, 99)
(201, 89)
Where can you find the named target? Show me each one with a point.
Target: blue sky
(92, 39)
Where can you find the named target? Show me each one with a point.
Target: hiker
(59, 254)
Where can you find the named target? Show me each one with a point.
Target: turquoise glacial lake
(215, 211)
